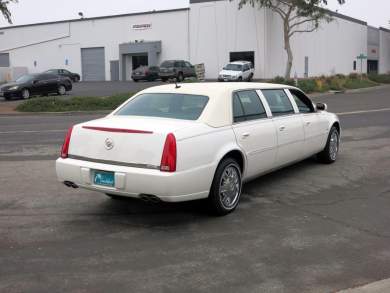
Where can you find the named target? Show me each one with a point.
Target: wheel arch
(237, 155)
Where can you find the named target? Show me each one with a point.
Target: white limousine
(186, 142)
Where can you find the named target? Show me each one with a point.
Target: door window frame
(262, 100)
(296, 105)
(289, 96)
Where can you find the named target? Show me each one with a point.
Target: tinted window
(304, 104)
(176, 106)
(238, 111)
(168, 64)
(279, 102)
(187, 64)
(247, 106)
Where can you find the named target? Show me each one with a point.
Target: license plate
(104, 178)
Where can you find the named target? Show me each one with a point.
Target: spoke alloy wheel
(61, 90)
(230, 187)
(25, 94)
(334, 145)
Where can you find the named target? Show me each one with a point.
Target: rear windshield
(176, 106)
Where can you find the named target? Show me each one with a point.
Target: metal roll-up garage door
(93, 64)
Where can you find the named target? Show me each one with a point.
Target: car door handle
(282, 128)
(245, 135)
(308, 123)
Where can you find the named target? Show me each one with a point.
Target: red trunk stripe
(106, 129)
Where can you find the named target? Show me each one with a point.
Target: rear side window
(279, 102)
(176, 106)
(247, 106)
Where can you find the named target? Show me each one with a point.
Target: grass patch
(61, 104)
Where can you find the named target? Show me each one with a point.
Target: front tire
(330, 153)
(25, 94)
(226, 188)
(61, 90)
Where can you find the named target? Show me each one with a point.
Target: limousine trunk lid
(133, 141)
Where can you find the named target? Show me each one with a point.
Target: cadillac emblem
(109, 143)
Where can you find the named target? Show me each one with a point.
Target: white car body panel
(201, 145)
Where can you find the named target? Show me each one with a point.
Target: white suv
(237, 71)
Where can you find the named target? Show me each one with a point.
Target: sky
(375, 12)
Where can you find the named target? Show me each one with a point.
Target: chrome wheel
(61, 90)
(334, 145)
(230, 187)
(25, 94)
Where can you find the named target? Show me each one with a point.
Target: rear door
(289, 126)
(255, 132)
(315, 124)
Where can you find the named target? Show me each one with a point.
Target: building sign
(142, 26)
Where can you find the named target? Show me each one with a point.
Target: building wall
(384, 51)
(331, 49)
(218, 28)
(373, 43)
(50, 45)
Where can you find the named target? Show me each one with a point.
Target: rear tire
(164, 79)
(250, 77)
(226, 188)
(180, 77)
(329, 154)
(239, 79)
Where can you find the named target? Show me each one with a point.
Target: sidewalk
(376, 287)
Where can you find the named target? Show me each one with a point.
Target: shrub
(61, 104)
(308, 85)
(380, 78)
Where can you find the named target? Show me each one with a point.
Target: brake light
(168, 159)
(65, 146)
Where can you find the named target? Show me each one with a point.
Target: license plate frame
(104, 178)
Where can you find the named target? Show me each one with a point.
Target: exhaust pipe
(149, 198)
(71, 184)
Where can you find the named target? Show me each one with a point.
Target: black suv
(178, 69)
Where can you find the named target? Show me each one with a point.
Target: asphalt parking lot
(307, 228)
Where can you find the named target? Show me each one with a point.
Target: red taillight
(168, 160)
(65, 146)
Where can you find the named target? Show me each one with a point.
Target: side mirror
(321, 107)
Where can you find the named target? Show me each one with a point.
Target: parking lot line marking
(364, 111)
(31, 131)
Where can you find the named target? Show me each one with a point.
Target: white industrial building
(209, 32)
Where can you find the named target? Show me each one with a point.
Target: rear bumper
(135, 182)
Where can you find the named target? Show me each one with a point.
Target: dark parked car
(36, 84)
(178, 69)
(146, 73)
(63, 72)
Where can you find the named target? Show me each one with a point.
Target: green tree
(298, 16)
(4, 9)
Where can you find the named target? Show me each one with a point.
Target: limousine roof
(218, 112)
